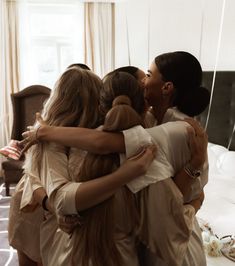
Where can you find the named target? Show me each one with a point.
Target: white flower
(212, 245)
(205, 236)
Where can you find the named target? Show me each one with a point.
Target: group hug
(115, 169)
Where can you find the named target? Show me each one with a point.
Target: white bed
(219, 206)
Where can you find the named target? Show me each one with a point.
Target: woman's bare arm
(92, 140)
(83, 138)
(197, 203)
(95, 191)
(198, 141)
(39, 196)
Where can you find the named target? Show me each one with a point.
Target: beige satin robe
(168, 227)
(59, 248)
(25, 216)
(65, 248)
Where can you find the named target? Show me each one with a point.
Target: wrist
(127, 172)
(196, 163)
(42, 132)
(192, 171)
(196, 205)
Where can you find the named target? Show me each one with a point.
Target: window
(51, 38)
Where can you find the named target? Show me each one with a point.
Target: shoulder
(169, 128)
(173, 114)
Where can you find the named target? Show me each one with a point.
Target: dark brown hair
(185, 72)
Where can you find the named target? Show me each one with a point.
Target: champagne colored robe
(167, 227)
(64, 250)
(59, 178)
(25, 215)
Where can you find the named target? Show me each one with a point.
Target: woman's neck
(159, 113)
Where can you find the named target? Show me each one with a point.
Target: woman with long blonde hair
(73, 101)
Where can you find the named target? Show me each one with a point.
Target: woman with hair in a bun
(173, 88)
(174, 92)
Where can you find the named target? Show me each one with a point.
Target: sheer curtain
(100, 37)
(99, 51)
(9, 65)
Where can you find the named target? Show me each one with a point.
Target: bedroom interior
(36, 47)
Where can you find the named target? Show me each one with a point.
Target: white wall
(168, 25)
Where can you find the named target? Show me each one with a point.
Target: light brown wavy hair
(74, 101)
(123, 99)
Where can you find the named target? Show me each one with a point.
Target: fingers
(72, 219)
(192, 134)
(202, 197)
(25, 144)
(25, 135)
(199, 130)
(10, 152)
(195, 124)
(39, 119)
(145, 151)
(152, 149)
(29, 128)
(196, 129)
(190, 131)
(38, 116)
(26, 147)
(69, 223)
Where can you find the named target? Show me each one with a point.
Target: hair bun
(194, 102)
(121, 99)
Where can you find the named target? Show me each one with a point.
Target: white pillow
(226, 163)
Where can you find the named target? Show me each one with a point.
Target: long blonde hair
(97, 232)
(73, 102)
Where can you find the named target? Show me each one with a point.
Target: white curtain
(100, 37)
(9, 66)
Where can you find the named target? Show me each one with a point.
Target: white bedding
(219, 206)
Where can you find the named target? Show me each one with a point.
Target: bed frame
(221, 121)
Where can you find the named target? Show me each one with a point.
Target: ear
(168, 88)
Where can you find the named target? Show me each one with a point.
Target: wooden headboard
(222, 115)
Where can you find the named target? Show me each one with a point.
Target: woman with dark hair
(168, 226)
(173, 87)
(173, 90)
